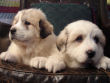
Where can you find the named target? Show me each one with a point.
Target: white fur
(28, 47)
(75, 52)
(55, 62)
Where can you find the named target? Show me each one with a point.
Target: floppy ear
(62, 40)
(46, 28)
(103, 39)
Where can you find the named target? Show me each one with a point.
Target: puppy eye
(79, 38)
(27, 23)
(96, 39)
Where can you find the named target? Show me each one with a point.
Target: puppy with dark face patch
(33, 41)
(82, 44)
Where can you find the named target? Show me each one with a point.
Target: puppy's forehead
(82, 27)
(32, 15)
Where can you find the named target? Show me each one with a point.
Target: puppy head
(82, 41)
(30, 24)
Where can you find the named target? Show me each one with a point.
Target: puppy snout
(90, 53)
(13, 31)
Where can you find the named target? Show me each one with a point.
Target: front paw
(54, 65)
(38, 62)
(7, 57)
(104, 63)
(3, 56)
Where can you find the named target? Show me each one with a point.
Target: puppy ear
(103, 39)
(45, 28)
(62, 40)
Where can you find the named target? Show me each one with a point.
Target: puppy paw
(7, 57)
(104, 63)
(38, 62)
(3, 56)
(54, 65)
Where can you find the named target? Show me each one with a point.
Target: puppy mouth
(21, 39)
(13, 37)
(88, 63)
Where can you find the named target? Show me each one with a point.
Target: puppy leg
(38, 62)
(55, 63)
(6, 56)
(104, 63)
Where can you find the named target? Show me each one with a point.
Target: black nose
(13, 31)
(90, 53)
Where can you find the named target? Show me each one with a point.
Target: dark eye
(79, 38)
(96, 39)
(27, 23)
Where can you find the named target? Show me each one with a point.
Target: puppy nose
(13, 31)
(90, 53)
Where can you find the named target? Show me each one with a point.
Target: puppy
(81, 44)
(33, 41)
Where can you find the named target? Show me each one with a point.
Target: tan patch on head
(33, 16)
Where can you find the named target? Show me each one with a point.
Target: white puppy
(33, 41)
(82, 44)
